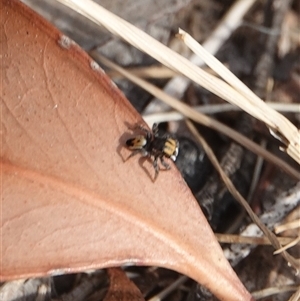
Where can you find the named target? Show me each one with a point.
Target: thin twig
(288, 226)
(273, 239)
(213, 109)
(201, 118)
(168, 290)
(243, 97)
(252, 240)
(270, 291)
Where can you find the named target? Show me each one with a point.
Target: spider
(154, 144)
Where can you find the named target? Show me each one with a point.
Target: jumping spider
(154, 145)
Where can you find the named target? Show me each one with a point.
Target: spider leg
(156, 133)
(155, 129)
(143, 129)
(156, 167)
(142, 151)
(165, 164)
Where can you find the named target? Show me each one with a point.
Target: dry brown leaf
(69, 202)
(121, 288)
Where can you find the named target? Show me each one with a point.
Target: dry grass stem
(253, 240)
(234, 93)
(296, 296)
(160, 72)
(247, 100)
(169, 289)
(270, 291)
(213, 109)
(227, 25)
(201, 118)
(288, 226)
(231, 188)
(289, 245)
